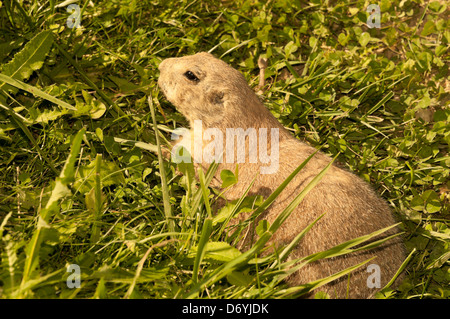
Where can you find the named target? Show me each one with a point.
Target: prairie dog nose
(161, 65)
(165, 64)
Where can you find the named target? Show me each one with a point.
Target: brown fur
(222, 99)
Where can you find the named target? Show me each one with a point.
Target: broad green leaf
(233, 208)
(99, 133)
(219, 251)
(110, 174)
(228, 178)
(59, 191)
(91, 201)
(30, 58)
(125, 86)
(364, 39)
(238, 278)
(313, 42)
(68, 172)
(224, 213)
(9, 264)
(290, 48)
(91, 107)
(428, 28)
(262, 227)
(100, 291)
(34, 90)
(48, 115)
(432, 202)
(353, 11)
(343, 39)
(8, 46)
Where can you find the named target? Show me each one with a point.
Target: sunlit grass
(81, 181)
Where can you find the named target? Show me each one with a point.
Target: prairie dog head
(205, 88)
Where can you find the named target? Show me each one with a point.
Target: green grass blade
(296, 292)
(24, 14)
(227, 268)
(98, 200)
(204, 237)
(338, 250)
(205, 192)
(292, 70)
(399, 271)
(141, 266)
(280, 188)
(3, 224)
(198, 195)
(60, 189)
(236, 47)
(92, 84)
(347, 246)
(286, 251)
(45, 280)
(236, 207)
(386, 98)
(165, 191)
(288, 210)
(145, 146)
(18, 120)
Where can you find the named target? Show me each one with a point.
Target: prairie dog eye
(191, 76)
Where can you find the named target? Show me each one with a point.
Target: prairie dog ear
(216, 97)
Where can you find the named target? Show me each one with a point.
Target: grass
(81, 181)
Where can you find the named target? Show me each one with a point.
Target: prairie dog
(213, 95)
